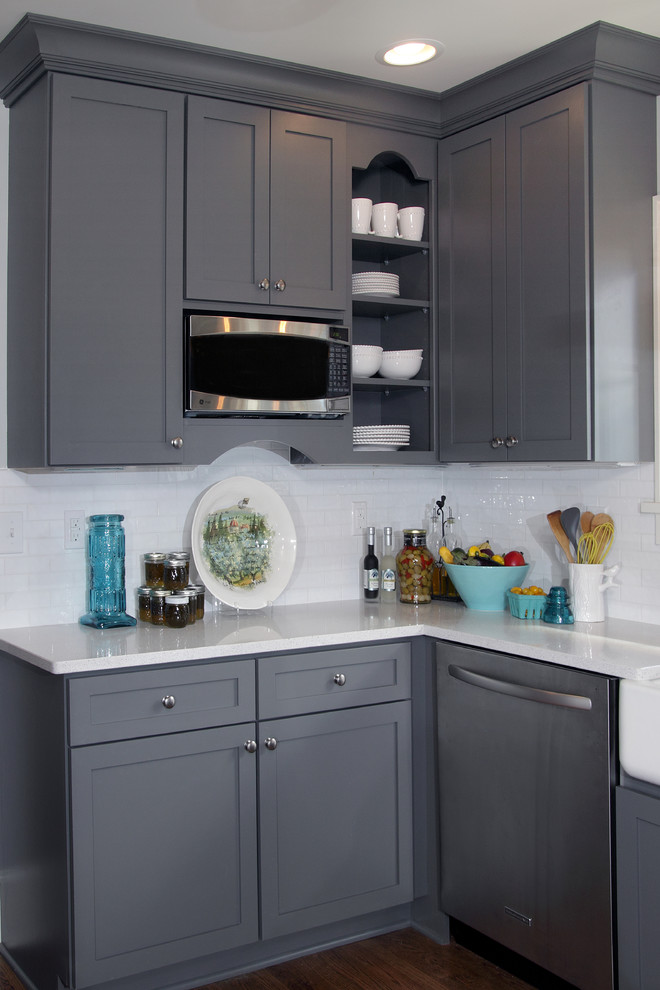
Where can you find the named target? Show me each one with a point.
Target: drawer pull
(250, 745)
(169, 701)
(271, 743)
(340, 679)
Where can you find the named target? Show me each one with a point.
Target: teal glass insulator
(106, 551)
(557, 609)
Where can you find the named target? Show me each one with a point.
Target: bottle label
(389, 579)
(371, 579)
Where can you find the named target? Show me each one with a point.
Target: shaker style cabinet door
(472, 307)
(227, 201)
(335, 816)
(266, 196)
(164, 851)
(513, 283)
(114, 350)
(309, 210)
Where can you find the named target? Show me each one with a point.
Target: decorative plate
(243, 542)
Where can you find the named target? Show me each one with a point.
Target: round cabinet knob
(496, 442)
(169, 701)
(250, 745)
(340, 679)
(280, 285)
(264, 285)
(177, 442)
(270, 743)
(511, 441)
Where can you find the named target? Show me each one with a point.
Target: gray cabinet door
(513, 286)
(638, 889)
(546, 223)
(267, 203)
(227, 201)
(114, 333)
(309, 211)
(472, 307)
(164, 851)
(335, 816)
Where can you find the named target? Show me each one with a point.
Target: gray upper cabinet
(95, 224)
(267, 202)
(545, 281)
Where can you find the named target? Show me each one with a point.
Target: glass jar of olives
(414, 564)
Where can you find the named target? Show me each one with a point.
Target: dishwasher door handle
(520, 690)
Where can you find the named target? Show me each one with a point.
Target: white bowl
(400, 364)
(366, 359)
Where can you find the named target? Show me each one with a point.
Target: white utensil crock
(587, 583)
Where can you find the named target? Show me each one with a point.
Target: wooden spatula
(554, 518)
(585, 521)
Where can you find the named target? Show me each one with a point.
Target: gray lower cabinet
(95, 271)
(163, 836)
(335, 796)
(183, 831)
(545, 327)
(638, 887)
(267, 202)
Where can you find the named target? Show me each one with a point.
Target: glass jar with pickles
(414, 565)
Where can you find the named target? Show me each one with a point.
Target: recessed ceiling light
(414, 51)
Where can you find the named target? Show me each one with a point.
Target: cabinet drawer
(128, 705)
(310, 682)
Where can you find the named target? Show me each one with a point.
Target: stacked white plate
(390, 437)
(375, 284)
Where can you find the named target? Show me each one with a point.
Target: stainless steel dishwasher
(525, 780)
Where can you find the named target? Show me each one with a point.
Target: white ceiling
(344, 35)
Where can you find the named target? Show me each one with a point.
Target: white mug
(411, 222)
(361, 216)
(383, 219)
(587, 584)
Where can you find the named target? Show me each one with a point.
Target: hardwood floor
(402, 960)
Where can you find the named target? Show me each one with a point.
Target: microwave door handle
(523, 691)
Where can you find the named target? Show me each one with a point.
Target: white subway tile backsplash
(506, 505)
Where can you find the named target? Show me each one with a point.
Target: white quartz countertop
(615, 647)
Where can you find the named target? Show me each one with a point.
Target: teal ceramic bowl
(485, 588)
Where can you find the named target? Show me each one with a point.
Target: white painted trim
(655, 505)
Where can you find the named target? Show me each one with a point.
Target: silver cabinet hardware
(169, 701)
(250, 745)
(496, 442)
(265, 284)
(340, 679)
(511, 441)
(177, 442)
(270, 742)
(280, 285)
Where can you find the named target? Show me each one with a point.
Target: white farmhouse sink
(639, 729)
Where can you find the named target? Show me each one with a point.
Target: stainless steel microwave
(239, 366)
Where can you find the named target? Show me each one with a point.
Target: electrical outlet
(359, 516)
(11, 532)
(74, 529)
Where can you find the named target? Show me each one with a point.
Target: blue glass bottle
(107, 588)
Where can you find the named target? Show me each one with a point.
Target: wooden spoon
(585, 521)
(601, 519)
(554, 518)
